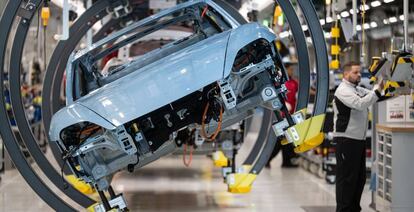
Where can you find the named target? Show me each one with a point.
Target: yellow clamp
(403, 60)
(335, 32)
(335, 49)
(240, 182)
(45, 14)
(403, 64)
(219, 159)
(301, 113)
(390, 87)
(374, 64)
(307, 135)
(80, 185)
(372, 80)
(334, 64)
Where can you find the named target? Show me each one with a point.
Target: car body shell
(159, 83)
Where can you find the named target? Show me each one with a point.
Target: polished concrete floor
(167, 185)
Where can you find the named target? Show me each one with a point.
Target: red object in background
(108, 57)
(368, 153)
(292, 88)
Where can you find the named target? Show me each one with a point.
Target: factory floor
(167, 185)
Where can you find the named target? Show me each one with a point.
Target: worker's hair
(348, 66)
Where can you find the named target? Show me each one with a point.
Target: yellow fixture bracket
(240, 182)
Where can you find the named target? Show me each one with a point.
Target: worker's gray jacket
(351, 105)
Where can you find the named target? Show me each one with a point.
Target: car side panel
(161, 82)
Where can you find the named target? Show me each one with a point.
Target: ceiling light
(392, 19)
(375, 3)
(329, 19)
(366, 26)
(402, 17)
(385, 21)
(352, 11)
(322, 21)
(358, 27)
(345, 14)
(388, 1)
(366, 7)
(373, 24)
(304, 27)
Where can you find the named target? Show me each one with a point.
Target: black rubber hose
(321, 56)
(7, 134)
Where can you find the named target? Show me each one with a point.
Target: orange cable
(204, 11)
(203, 132)
(89, 130)
(187, 163)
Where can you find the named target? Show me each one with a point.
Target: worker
(289, 156)
(351, 103)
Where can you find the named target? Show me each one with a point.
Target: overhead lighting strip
(345, 14)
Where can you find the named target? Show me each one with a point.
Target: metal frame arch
(23, 124)
(322, 67)
(304, 79)
(10, 12)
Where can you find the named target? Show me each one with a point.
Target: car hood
(161, 82)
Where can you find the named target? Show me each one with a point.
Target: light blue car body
(159, 83)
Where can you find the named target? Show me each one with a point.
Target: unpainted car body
(203, 83)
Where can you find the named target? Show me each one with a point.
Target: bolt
(150, 143)
(268, 92)
(138, 136)
(99, 170)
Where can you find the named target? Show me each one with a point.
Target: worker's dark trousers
(350, 173)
